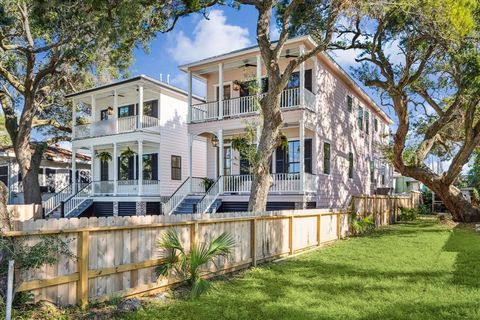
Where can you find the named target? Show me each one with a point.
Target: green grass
(419, 270)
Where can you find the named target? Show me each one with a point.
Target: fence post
(253, 241)
(290, 233)
(82, 266)
(319, 219)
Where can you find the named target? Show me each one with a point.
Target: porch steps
(186, 206)
(81, 208)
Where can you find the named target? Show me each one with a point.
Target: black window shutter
(119, 164)
(131, 109)
(308, 155)
(308, 80)
(280, 157)
(154, 109)
(155, 166)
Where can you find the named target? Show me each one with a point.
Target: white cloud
(209, 38)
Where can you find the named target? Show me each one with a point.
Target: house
(403, 184)
(334, 132)
(139, 154)
(55, 172)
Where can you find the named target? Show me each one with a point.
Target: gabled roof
(327, 59)
(52, 153)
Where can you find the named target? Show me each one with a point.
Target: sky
(195, 37)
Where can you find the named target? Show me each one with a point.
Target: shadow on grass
(400, 272)
(466, 243)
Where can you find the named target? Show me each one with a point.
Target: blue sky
(195, 38)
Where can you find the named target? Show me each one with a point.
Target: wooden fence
(116, 256)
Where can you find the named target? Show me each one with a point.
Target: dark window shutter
(131, 110)
(104, 171)
(308, 80)
(154, 109)
(280, 158)
(155, 166)
(308, 155)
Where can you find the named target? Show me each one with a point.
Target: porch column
(190, 161)
(92, 160)
(302, 77)
(115, 169)
(93, 105)
(302, 154)
(259, 73)
(74, 116)
(140, 167)
(115, 104)
(140, 107)
(221, 151)
(74, 170)
(315, 75)
(220, 91)
(190, 94)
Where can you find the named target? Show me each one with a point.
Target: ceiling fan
(247, 65)
(288, 55)
(118, 95)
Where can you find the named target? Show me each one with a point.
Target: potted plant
(207, 183)
(103, 156)
(128, 153)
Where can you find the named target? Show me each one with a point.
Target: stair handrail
(72, 202)
(55, 201)
(177, 197)
(210, 196)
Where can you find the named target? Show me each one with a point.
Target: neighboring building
(403, 184)
(333, 129)
(55, 172)
(139, 155)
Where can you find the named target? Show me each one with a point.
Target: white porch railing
(75, 201)
(282, 183)
(125, 188)
(290, 98)
(115, 125)
(210, 196)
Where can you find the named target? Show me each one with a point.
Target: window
(245, 167)
(326, 158)
(4, 175)
(350, 165)
(375, 124)
(367, 122)
(126, 111)
(288, 159)
(150, 166)
(360, 118)
(150, 108)
(382, 175)
(227, 161)
(372, 172)
(349, 103)
(226, 92)
(104, 171)
(176, 167)
(105, 113)
(126, 168)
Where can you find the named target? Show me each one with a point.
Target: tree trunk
(459, 207)
(269, 140)
(29, 163)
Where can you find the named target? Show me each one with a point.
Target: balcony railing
(282, 183)
(291, 98)
(125, 188)
(114, 126)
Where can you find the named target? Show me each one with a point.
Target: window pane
(350, 165)
(360, 118)
(176, 169)
(349, 103)
(367, 122)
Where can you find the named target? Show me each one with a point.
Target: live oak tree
(423, 57)
(48, 48)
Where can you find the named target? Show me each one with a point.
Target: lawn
(418, 270)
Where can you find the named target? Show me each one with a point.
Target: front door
(104, 171)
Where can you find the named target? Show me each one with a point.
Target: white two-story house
(334, 132)
(139, 154)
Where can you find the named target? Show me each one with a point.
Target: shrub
(187, 265)
(423, 209)
(407, 214)
(361, 225)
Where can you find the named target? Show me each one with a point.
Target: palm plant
(104, 156)
(187, 265)
(128, 153)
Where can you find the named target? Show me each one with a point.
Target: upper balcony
(249, 105)
(114, 126)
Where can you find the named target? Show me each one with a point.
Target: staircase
(190, 203)
(68, 204)
(190, 195)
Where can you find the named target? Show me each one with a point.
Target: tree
(48, 48)
(435, 69)
(4, 138)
